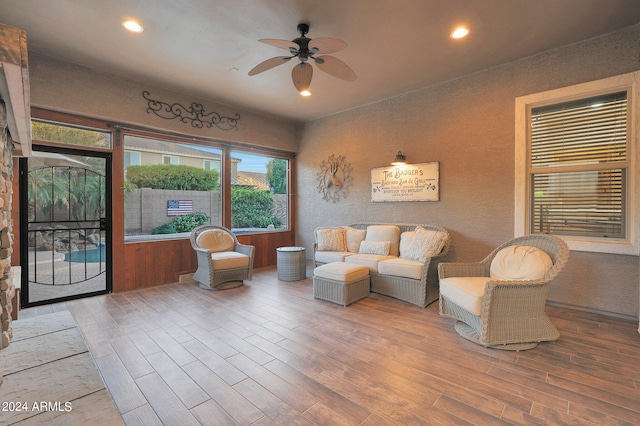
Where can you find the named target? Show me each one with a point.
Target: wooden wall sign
(411, 182)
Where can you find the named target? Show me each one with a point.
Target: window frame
(630, 83)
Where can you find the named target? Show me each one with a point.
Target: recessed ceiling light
(132, 26)
(460, 32)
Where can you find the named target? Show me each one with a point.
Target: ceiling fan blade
(327, 44)
(268, 64)
(301, 75)
(336, 68)
(282, 44)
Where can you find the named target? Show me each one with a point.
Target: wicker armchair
(508, 314)
(223, 262)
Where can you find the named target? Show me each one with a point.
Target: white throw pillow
(520, 263)
(354, 238)
(406, 238)
(331, 239)
(426, 244)
(380, 248)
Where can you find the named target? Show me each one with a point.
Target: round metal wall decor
(334, 178)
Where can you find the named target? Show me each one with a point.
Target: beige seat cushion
(466, 292)
(520, 263)
(215, 240)
(340, 271)
(368, 260)
(331, 256)
(389, 233)
(401, 268)
(229, 260)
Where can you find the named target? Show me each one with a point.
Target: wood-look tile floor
(50, 378)
(269, 353)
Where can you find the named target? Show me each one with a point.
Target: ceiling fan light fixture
(301, 76)
(400, 159)
(460, 32)
(132, 26)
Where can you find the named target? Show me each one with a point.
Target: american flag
(179, 207)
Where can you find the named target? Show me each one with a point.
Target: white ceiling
(207, 47)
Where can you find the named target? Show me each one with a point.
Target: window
(259, 188)
(575, 165)
(69, 135)
(164, 199)
(170, 159)
(131, 158)
(211, 165)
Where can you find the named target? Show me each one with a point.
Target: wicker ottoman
(341, 283)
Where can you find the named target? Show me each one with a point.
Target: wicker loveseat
(395, 275)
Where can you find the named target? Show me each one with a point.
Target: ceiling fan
(306, 49)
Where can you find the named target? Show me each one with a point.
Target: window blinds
(578, 167)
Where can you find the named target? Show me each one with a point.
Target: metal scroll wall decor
(195, 115)
(334, 178)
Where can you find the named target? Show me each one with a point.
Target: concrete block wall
(146, 208)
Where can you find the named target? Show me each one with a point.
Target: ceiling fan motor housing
(303, 43)
(303, 29)
(303, 52)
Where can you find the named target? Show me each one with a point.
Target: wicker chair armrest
(244, 249)
(201, 250)
(203, 256)
(518, 283)
(460, 269)
(502, 298)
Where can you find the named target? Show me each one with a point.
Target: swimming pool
(95, 255)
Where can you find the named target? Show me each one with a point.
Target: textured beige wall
(74, 89)
(468, 126)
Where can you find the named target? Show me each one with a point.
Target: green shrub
(128, 186)
(277, 175)
(184, 223)
(169, 176)
(167, 228)
(189, 222)
(252, 209)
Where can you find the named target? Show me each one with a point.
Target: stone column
(7, 289)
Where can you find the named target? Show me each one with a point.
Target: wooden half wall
(151, 263)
